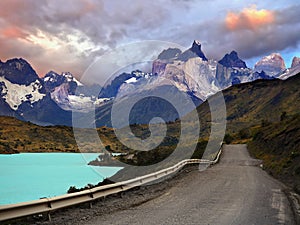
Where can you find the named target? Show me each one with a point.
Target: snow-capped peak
(70, 78)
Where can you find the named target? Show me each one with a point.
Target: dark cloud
(271, 35)
(101, 25)
(68, 35)
(278, 34)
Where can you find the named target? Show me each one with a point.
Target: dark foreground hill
(260, 101)
(278, 144)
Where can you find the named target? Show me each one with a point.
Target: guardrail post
(49, 206)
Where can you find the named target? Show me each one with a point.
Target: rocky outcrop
(169, 53)
(232, 60)
(296, 62)
(18, 71)
(158, 67)
(194, 52)
(272, 65)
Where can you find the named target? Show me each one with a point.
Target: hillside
(252, 103)
(18, 136)
(266, 115)
(278, 144)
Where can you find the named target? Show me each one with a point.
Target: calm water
(30, 176)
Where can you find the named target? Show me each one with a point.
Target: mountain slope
(232, 60)
(265, 114)
(278, 145)
(25, 96)
(250, 103)
(18, 71)
(19, 136)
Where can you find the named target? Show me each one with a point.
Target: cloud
(75, 31)
(249, 37)
(13, 32)
(259, 32)
(68, 36)
(249, 18)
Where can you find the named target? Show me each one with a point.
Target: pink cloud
(249, 18)
(13, 32)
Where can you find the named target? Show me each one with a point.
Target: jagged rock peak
(232, 60)
(169, 53)
(193, 52)
(18, 71)
(196, 48)
(19, 64)
(296, 62)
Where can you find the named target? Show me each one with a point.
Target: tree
(283, 116)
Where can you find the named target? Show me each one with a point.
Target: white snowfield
(15, 94)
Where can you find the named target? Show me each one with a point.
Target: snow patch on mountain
(69, 77)
(131, 80)
(77, 103)
(15, 94)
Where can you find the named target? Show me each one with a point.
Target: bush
(228, 139)
(73, 189)
(244, 133)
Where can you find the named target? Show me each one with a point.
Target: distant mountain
(53, 80)
(169, 53)
(232, 70)
(112, 89)
(295, 62)
(18, 71)
(148, 107)
(272, 65)
(289, 72)
(193, 52)
(53, 98)
(232, 60)
(24, 95)
(69, 93)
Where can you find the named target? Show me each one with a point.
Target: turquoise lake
(30, 176)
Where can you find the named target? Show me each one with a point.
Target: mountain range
(263, 113)
(50, 100)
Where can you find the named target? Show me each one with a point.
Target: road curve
(235, 191)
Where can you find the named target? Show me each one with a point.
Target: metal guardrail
(47, 205)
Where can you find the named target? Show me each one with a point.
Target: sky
(70, 35)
